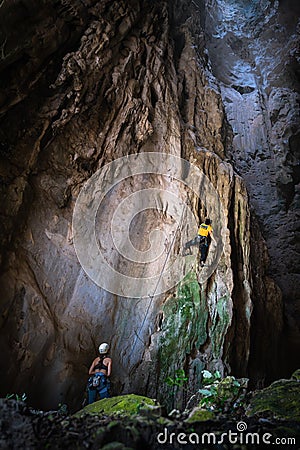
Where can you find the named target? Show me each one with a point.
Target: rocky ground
(267, 417)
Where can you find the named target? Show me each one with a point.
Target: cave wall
(254, 51)
(101, 80)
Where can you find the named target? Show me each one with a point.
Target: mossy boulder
(187, 308)
(296, 375)
(124, 405)
(200, 415)
(115, 446)
(282, 398)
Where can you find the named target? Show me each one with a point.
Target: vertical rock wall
(254, 50)
(118, 78)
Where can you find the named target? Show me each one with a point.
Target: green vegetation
(62, 408)
(184, 329)
(200, 415)
(296, 375)
(19, 398)
(281, 398)
(133, 421)
(221, 394)
(179, 380)
(124, 405)
(184, 326)
(115, 446)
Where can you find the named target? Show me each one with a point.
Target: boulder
(282, 398)
(124, 405)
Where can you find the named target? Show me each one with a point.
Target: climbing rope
(157, 284)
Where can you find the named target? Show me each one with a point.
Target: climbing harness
(98, 381)
(98, 384)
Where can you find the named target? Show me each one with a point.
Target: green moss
(200, 415)
(164, 421)
(184, 327)
(115, 446)
(124, 405)
(296, 375)
(113, 424)
(282, 398)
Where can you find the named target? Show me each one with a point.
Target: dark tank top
(100, 365)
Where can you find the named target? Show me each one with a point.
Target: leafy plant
(208, 377)
(19, 398)
(219, 393)
(62, 408)
(179, 379)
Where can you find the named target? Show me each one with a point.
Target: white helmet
(103, 348)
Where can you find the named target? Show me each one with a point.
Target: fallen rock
(282, 398)
(200, 415)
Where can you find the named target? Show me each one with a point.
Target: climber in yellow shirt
(204, 238)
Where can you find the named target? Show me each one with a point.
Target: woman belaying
(100, 370)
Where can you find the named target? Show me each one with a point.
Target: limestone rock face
(91, 82)
(254, 51)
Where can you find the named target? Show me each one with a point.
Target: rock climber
(205, 235)
(100, 370)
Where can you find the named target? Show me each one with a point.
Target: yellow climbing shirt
(204, 230)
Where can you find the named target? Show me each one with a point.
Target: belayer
(204, 239)
(100, 370)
